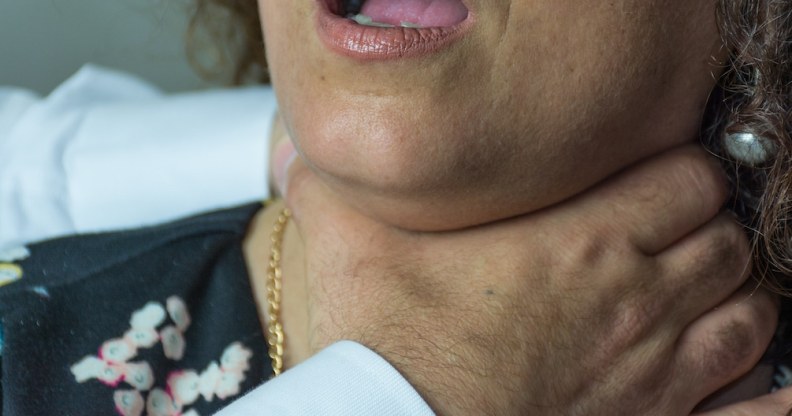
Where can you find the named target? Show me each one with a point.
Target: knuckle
(634, 318)
(734, 348)
(602, 261)
(730, 245)
(725, 251)
(585, 249)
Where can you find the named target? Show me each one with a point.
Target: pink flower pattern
(112, 366)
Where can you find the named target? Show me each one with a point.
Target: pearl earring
(749, 148)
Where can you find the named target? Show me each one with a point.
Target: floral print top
(158, 321)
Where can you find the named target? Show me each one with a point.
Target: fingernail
(284, 156)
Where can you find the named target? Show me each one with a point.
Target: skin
(579, 309)
(540, 103)
(495, 122)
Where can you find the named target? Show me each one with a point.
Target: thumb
(778, 403)
(283, 157)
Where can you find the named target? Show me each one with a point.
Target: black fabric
(77, 293)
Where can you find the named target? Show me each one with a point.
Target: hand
(629, 299)
(778, 403)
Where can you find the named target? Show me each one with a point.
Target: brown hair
(224, 41)
(754, 95)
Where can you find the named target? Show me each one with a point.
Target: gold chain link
(274, 326)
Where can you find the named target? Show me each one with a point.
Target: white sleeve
(345, 378)
(29, 180)
(106, 151)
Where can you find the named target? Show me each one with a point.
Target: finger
(659, 201)
(283, 153)
(283, 156)
(704, 268)
(300, 187)
(281, 149)
(778, 403)
(727, 342)
(755, 383)
(315, 208)
(293, 180)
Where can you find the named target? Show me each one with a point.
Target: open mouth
(383, 30)
(351, 7)
(403, 13)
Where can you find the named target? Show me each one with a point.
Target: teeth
(364, 20)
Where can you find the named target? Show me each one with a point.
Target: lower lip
(368, 43)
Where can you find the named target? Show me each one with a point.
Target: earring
(749, 148)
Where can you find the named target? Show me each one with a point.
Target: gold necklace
(274, 326)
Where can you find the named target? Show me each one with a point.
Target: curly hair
(754, 95)
(224, 36)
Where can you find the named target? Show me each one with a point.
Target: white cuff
(345, 378)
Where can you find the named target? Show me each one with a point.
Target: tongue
(424, 13)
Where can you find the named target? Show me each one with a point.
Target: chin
(426, 213)
(382, 147)
(416, 176)
(393, 170)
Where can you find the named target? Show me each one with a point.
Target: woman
(489, 112)
(405, 159)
